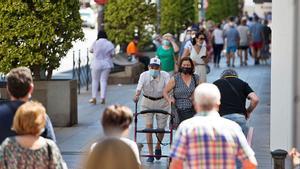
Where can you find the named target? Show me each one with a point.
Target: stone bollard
(279, 158)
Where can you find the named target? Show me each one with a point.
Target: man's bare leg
(149, 139)
(233, 58)
(254, 54)
(240, 54)
(246, 56)
(228, 59)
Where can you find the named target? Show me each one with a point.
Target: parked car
(88, 17)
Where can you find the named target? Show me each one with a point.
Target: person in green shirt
(166, 54)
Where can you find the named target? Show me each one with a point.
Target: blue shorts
(231, 49)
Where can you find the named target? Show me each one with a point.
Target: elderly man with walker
(151, 84)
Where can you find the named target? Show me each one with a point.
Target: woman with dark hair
(198, 53)
(183, 85)
(101, 65)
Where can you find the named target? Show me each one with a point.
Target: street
(75, 141)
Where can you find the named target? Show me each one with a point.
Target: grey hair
(228, 72)
(207, 94)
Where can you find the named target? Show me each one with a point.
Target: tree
(124, 17)
(175, 14)
(221, 9)
(37, 33)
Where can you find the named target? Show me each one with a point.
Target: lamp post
(201, 10)
(158, 16)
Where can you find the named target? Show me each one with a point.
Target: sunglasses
(201, 38)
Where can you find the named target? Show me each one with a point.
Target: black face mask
(186, 70)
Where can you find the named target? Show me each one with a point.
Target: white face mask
(188, 37)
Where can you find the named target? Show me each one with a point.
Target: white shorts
(161, 104)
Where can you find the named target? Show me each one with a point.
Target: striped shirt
(210, 141)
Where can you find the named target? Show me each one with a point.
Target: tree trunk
(49, 73)
(36, 72)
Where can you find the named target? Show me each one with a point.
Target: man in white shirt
(152, 83)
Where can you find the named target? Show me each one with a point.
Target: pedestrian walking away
(101, 65)
(151, 85)
(218, 44)
(257, 39)
(183, 85)
(208, 140)
(28, 150)
(265, 53)
(233, 38)
(198, 53)
(234, 93)
(244, 33)
(111, 153)
(115, 121)
(20, 88)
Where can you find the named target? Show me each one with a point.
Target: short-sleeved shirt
(230, 101)
(129, 142)
(132, 48)
(153, 87)
(103, 51)
(243, 32)
(232, 36)
(210, 141)
(218, 36)
(13, 155)
(256, 31)
(166, 58)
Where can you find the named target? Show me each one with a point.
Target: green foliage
(123, 17)
(175, 14)
(37, 33)
(221, 9)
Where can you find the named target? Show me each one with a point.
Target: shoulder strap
(232, 87)
(175, 79)
(49, 154)
(234, 90)
(194, 79)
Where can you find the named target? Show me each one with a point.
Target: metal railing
(81, 69)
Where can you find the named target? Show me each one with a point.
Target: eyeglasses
(201, 38)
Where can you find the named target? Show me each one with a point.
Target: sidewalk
(74, 141)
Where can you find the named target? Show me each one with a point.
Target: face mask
(166, 43)
(188, 37)
(154, 73)
(186, 70)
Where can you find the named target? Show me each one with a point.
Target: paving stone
(75, 141)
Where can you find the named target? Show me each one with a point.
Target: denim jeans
(241, 120)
